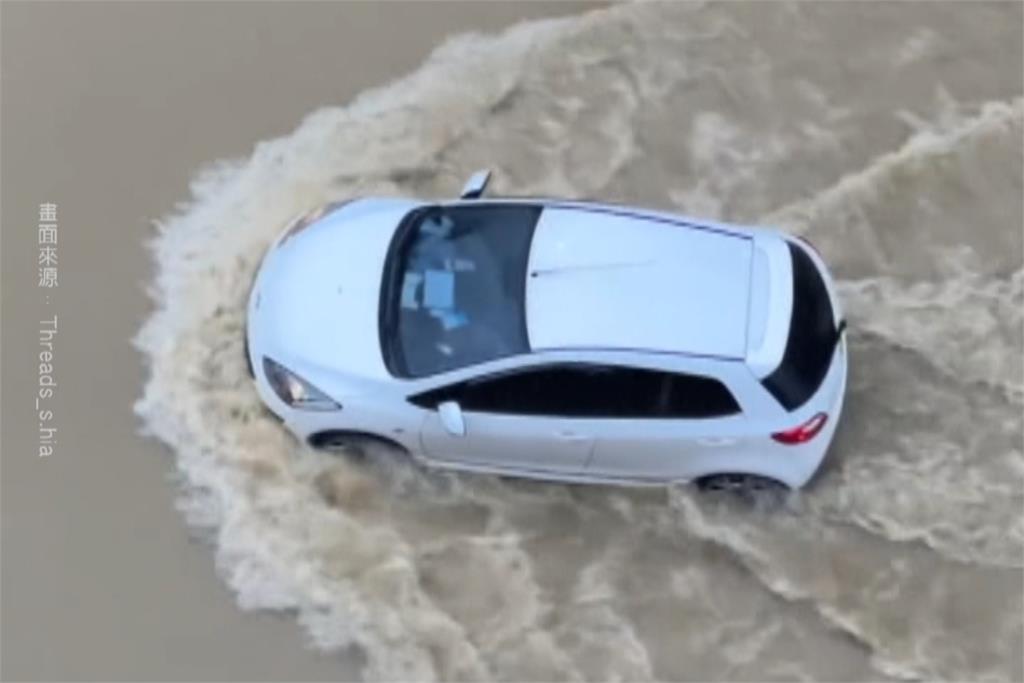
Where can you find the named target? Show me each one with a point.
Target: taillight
(803, 433)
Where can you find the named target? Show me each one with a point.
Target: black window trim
(614, 209)
(416, 397)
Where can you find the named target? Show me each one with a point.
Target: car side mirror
(451, 417)
(477, 183)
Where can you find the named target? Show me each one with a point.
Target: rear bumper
(830, 400)
(245, 350)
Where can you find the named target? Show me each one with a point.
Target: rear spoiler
(771, 303)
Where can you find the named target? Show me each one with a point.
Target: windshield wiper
(840, 329)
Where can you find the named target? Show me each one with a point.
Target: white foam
(442, 577)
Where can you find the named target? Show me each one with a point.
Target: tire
(742, 485)
(387, 464)
(358, 445)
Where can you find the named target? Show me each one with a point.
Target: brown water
(889, 134)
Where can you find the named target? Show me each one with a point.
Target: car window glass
(595, 391)
(812, 337)
(693, 396)
(454, 288)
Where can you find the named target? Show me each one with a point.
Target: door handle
(571, 436)
(716, 441)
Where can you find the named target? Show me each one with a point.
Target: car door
(521, 420)
(674, 426)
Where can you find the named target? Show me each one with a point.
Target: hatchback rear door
(692, 421)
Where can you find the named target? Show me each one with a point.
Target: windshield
(454, 285)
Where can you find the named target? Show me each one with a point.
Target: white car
(552, 339)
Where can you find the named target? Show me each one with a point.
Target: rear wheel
(742, 485)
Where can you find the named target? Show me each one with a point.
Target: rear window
(812, 337)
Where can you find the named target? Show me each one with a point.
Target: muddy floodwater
(889, 134)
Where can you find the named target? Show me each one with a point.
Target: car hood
(315, 303)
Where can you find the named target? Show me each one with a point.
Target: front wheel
(355, 444)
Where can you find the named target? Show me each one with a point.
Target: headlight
(295, 391)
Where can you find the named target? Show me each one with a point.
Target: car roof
(602, 277)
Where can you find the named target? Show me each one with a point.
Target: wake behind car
(552, 339)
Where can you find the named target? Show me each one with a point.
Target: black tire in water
(357, 444)
(742, 485)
